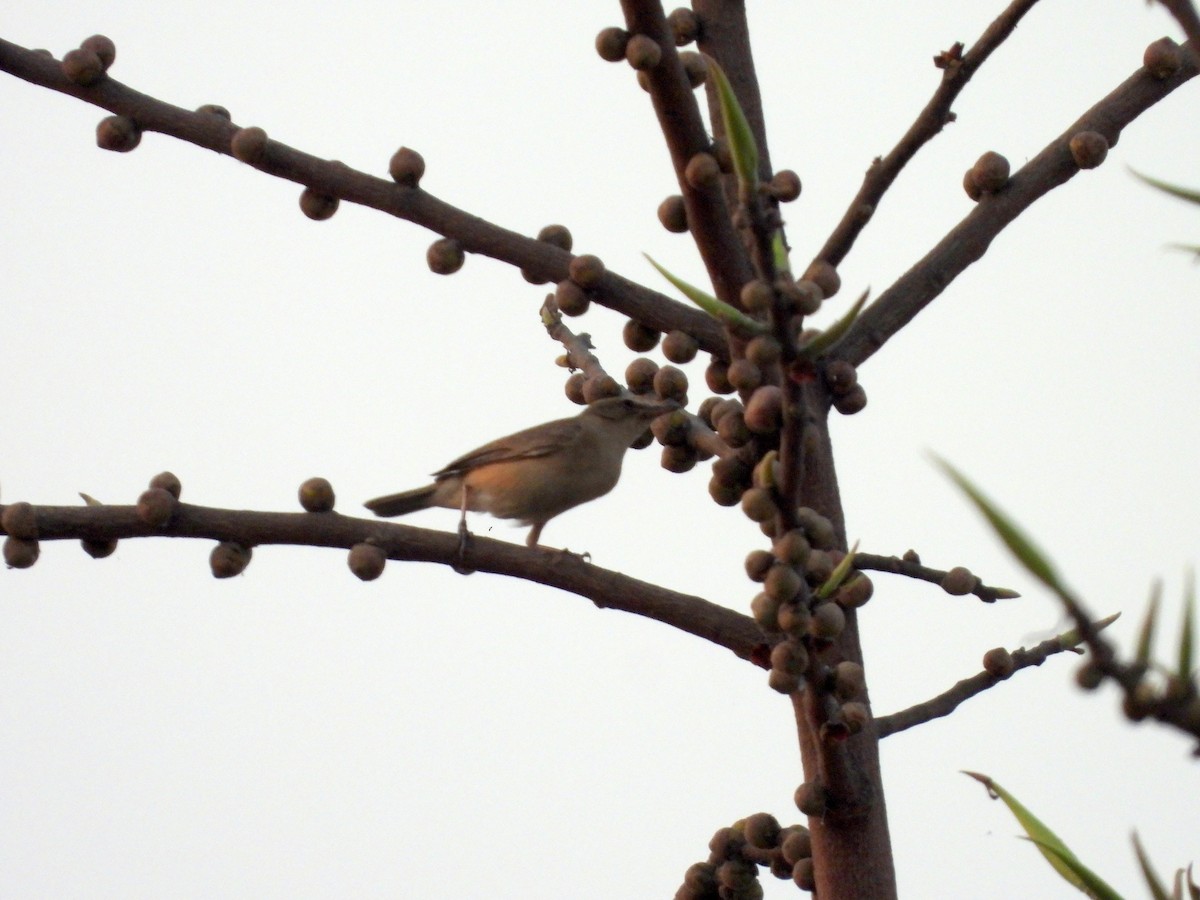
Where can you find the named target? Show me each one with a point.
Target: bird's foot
(565, 553)
(460, 564)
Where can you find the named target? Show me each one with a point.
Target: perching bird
(537, 473)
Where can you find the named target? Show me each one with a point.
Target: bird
(538, 473)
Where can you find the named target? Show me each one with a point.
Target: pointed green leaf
(718, 309)
(779, 251)
(1051, 846)
(742, 145)
(1145, 642)
(90, 500)
(834, 581)
(1018, 542)
(1192, 196)
(1186, 639)
(828, 339)
(1157, 889)
(1072, 638)
(1089, 882)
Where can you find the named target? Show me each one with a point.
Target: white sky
(296, 733)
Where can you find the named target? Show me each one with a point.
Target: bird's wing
(541, 440)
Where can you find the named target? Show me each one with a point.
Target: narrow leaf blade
(1145, 644)
(718, 309)
(1017, 541)
(742, 146)
(828, 339)
(1157, 889)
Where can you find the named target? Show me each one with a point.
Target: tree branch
(537, 258)
(913, 569)
(554, 568)
(1184, 12)
(683, 129)
(945, 703)
(969, 240)
(957, 69)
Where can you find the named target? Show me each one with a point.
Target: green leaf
(1189, 194)
(1157, 890)
(1072, 638)
(742, 145)
(834, 581)
(718, 309)
(89, 499)
(1050, 845)
(779, 251)
(1089, 882)
(1187, 638)
(1145, 642)
(1018, 542)
(828, 339)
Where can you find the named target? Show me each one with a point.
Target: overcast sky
(296, 733)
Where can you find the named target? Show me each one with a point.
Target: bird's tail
(405, 502)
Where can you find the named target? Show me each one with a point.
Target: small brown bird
(537, 473)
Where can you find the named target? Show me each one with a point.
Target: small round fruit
(406, 167)
(20, 553)
(316, 495)
(990, 172)
(169, 482)
(611, 43)
(19, 520)
(1088, 149)
(642, 52)
(318, 205)
(366, 561)
(155, 507)
(118, 133)
(586, 270)
(229, 559)
(445, 256)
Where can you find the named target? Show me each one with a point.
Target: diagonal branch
(554, 568)
(969, 240)
(1185, 14)
(956, 72)
(948, 701)
(683, 129)
(537, 258)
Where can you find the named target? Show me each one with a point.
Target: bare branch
(913, 569)
(1184, 12)
(945, 703)
(537, 258)
(554, 568)
(957, 69)
(969, 240)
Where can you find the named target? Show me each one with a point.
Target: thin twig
(945, 703)
(957, 69)
(1184, 12)
(913, 569)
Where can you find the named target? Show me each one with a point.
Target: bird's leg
(463, 536)
(534, 533)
